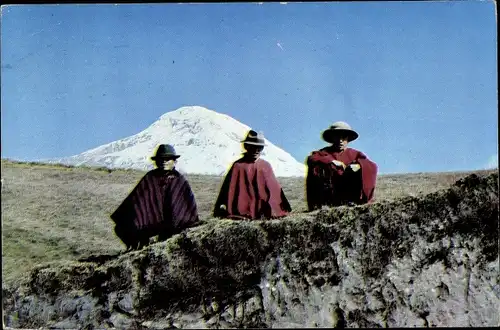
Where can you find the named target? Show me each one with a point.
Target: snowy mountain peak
(187, 112)
(207, 141)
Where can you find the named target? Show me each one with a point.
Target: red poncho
(327, 185)
(161, 203)
(251, 191)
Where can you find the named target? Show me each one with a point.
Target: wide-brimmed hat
(165, 151)
(339, 127)
(255, 138)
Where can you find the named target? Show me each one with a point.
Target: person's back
(162, 204)
(338, 175)
(250, 189)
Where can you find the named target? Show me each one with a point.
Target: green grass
(54, 212)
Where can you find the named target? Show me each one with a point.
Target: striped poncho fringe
(158, 201)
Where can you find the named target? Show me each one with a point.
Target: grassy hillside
(53, 212)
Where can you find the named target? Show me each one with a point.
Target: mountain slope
(207, 141)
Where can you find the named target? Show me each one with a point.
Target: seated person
(250, 189)
(162, 204)
(338, 175)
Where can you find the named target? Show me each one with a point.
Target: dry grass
(53, 212)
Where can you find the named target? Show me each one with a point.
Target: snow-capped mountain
(207, 141)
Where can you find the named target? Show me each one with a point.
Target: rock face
(430, 261)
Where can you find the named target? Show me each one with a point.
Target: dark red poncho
(161, 203)
(251, 191)
(327, 185)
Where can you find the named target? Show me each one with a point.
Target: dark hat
(255, 138)
(165, 151)
(339, 127)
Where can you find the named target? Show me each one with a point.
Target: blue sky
(417, 80)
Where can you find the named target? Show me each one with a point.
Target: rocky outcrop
(430, 261)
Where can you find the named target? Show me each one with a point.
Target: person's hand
(338, 163)
(355, 167)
